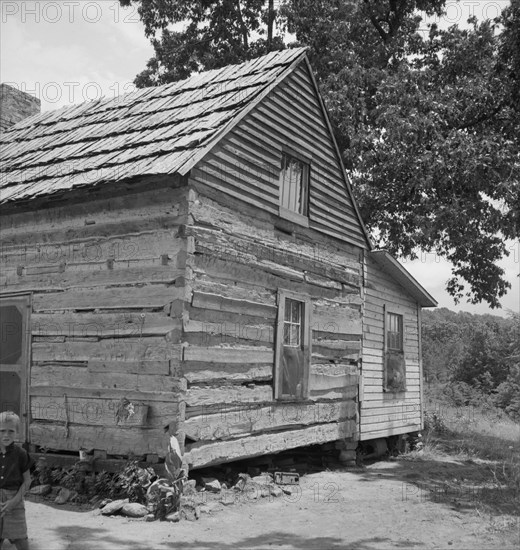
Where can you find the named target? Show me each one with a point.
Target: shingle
(149, 131)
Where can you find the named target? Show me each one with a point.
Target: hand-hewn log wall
(388, 413)
(241, 253)
(237, 262)
(107, 277)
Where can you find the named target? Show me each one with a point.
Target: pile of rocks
(204, 495)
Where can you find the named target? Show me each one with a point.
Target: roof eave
(404, 278)
(346, 179)
(195, 159)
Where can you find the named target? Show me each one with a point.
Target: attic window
(294, 188)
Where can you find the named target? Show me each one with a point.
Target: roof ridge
(48, 118)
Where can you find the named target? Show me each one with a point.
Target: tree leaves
(428, 123)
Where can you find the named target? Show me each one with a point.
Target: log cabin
(190, 258)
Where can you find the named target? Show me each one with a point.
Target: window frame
(399, 318)
(393, 354)
(284, 295)
(287, 213)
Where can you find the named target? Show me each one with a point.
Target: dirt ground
(389, 504)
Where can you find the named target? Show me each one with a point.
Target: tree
(427, 123)
(188, 36)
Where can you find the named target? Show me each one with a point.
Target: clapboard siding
(290, 115)
(386, 413)
(104, 276)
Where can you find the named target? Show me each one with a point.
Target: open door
(15, 356)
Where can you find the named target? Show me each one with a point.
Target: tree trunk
(270, 24)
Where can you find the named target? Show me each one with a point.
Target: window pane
(293, 184)
(296, 185)
(295, 335)
(286, 334)
(296, 311)
(395, 372)
(395, 331)
(10, 335)
(292, 371)
(288, 309)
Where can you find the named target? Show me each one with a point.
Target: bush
(507, 397)
(433, 423)
(132, 482)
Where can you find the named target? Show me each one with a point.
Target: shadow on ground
(460, 483)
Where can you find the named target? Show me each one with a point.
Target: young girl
(15, 479)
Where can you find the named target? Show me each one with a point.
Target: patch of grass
(485, 437)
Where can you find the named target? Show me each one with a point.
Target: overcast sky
(78, 50)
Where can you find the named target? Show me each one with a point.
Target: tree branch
(482, 118)
(243, 28)
(270, 21)
(375, 22)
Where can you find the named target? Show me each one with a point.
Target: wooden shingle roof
(161, 130)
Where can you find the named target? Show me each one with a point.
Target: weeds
(483, 436)
(131, 482)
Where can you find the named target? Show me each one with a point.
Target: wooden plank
(199, 455)
(108, 214)
(322, 381)
(388, 402)
(345, 393)
(300, 258)
(374, 378)
(201, 372)
(385, 432)
(206, 207)
(240, 339)
(221, 303)
(102, 325)
(99, 412)
(375, 395)
(114, 440)
(108, 393)
(228, 394)
(401, 418)
(133, 367)
(410, 409)
(339, 356)
(128, 273)
(411, 387)
(323, 346)
(131, 297)
(254, 419)
(230, 254)
(83, 378)
(222, 271)
(48, 256)
(411, 424)
(328, 316)
(233, 289)
(230, 327)
(400, 303)
(236, 354)
(119, 349)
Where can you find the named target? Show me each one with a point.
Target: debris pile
(137, 492)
